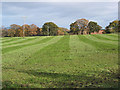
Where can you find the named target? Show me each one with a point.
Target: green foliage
(4, 32)
(50, 29)
(39, 31)
(80, 26)
(107, 30)
(113, 27)
(94, 27)
(74, 28)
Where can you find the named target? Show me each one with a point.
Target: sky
(61, 13)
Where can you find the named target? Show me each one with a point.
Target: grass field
(74, 61)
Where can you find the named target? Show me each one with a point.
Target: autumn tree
(83, 26)
(62, 31)
(14, 30)
(26, 29)
(32, 30)
(50, 29)
(17, 30)
(39, 31)
(4, 32)
(79, 27)
(11, 31)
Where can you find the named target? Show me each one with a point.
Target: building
(100, 32)
(94, 32)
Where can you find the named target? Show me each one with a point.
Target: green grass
(71, 61)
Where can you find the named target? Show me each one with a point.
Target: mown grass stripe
(99, 45)
(20, 55)
(102, 37)
(36, 40)
(79, 47)
(31, 40)
(48, 65)
(19, 41)
(112, 35)
(80, 51)
(80, 44)
(9, 49)
(86, 53)
(11, 39)
(109, 37)
(55, 52)
(5, 38)
(99, 40)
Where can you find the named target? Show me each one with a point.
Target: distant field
(71, 61)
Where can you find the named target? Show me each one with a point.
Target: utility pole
(24, 18)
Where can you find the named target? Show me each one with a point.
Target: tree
(26, 30)
(62, 31)
(113, 27)
(14, 30)
(11, 32)
(39, 31)
(50, 29)
(79, 27)
(4, 32)
(74, 28)
(33, 30)
(93, 26)
(107, 30)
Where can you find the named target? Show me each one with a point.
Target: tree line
(48, 29)
(80, 26)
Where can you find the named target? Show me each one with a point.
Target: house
(94, 32)
(100, 32)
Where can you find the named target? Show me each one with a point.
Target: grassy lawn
(71, 61)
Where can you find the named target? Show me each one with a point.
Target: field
(71, 61)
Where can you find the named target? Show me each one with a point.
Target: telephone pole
(24, 18)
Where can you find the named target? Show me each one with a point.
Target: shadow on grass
(102, 79)
(10, 84)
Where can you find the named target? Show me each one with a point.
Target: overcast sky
(61, 13)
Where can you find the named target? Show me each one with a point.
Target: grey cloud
(63, 14)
